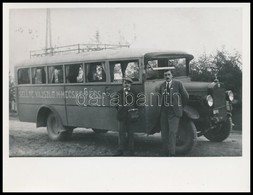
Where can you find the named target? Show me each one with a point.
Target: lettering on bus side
(92, 97)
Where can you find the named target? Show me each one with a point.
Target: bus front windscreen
(178, 63)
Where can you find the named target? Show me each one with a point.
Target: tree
(12, 94)
(225, 66)
(201, 69)
(229, 71)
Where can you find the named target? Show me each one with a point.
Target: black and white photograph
(123, 97)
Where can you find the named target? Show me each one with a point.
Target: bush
(227, 69)
(223, 65)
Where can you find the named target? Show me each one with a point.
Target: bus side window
(133, 70)
(95, 72)
(24, 76)
(180, 65)
(55, 74)
(39, 75)
(124, 69)
(74, 73)
(150, 74)
(115, 72)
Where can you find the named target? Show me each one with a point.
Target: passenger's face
(168, 76)
(99, 69)
(126, 84)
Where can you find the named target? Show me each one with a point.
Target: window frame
(63, 72)
(186, 68)
(83, 63)
(106, 72)
(43, 66)
(29, 73)
(129, 59)
(72, 63)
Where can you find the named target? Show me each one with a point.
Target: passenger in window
(38, 76)
(51, 74)
(57, 75)
(79, 78)
(132, 71)
(116, 73)
(99, 75)
(96, 74)
(60, 75)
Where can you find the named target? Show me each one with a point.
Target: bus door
(153, 80)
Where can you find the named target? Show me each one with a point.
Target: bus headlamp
(230, 95)
(209, 100)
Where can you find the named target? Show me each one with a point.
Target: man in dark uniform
(127, 101)
(174, 97)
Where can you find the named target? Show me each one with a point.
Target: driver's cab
(155, 65)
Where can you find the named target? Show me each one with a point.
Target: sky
(192, 29)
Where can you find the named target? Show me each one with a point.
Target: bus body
(67, 91)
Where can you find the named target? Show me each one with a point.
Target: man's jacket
(126, 102)
(177, 97)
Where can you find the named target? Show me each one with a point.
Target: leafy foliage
(12, 94)
(11, 88)
(225, 66)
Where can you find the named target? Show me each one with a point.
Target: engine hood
(200, 86)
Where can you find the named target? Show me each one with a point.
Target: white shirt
(169, 84)
(126, 90)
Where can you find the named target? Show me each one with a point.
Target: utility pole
(49, 50)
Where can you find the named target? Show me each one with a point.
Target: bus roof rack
(76, 48)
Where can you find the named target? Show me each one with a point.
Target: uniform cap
(128, 79)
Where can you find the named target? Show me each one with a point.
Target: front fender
(191, 113)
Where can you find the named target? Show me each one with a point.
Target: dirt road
(26, 140)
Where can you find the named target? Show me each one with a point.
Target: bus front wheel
(186, 136)
(56, 131)
(220, 133)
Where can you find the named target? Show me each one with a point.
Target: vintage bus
(63, 92)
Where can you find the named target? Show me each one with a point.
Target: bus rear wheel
(186, 136)
(56, 131)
